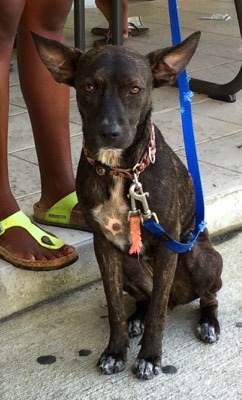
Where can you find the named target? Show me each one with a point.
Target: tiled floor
(218, 125)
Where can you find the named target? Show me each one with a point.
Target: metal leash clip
(136, 194)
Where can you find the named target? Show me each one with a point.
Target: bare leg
(10, 13)
(105, 6)
(50, 128)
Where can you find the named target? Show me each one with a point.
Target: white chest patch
(112, 214)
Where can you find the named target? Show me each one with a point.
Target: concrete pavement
(217, 125)
(79, 322)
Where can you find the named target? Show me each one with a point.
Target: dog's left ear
(166, 64)
(59, 59)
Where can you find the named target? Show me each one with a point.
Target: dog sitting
(122, 147)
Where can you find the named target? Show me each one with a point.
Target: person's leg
(12, 239)
(125, 19)
(105, 6)
(47, 101)
(10, 12)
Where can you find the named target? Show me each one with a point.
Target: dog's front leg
(109, 258)
(148, 362)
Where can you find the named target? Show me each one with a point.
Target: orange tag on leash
(135, 235)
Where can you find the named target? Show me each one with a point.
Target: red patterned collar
(130, 173)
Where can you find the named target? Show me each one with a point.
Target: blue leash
(190, 148)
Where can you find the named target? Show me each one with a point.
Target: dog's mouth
(109, 156)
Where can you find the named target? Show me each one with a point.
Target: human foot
(26, 246)
(65, 213)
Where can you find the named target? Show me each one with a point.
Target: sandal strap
(134, 26)
(61, 211)
(19, 219)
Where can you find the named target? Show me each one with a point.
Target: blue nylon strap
(190, 148)
(186, 116)
(177, 247)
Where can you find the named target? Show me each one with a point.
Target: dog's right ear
(59, 59)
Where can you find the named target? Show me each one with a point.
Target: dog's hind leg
(208, 329)
(205, 265)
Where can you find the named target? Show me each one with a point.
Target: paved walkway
(218, 129)
(79, 322)
(74, 323)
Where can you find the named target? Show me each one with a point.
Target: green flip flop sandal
(62, 214)
(19, 219)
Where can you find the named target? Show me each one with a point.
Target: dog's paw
(135, 327)
(111, 364)
(207, 333)
(146, 369)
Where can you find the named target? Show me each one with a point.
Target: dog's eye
(89, 88)
(134, 90)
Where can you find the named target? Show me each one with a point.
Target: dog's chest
(112, 216)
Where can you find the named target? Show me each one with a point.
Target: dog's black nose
(110, 131)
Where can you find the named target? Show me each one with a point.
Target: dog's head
(113, 85)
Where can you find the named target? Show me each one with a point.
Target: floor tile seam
(146, 39)
(230, 60)
(21, 197)
(75, 122)
(177, 151)
(15, 114)
(204, 141)
(220, 38)
(25, 110)
(55, 299)
(219, 33)
(12, 103)
(200, 161)
(78, 244)
(22, 158)
(156, 25)
(221, 120)
(76, 135)
(167, 27)
(180, 151)
(13, 152)
(13, 85)
(195, 112)
(166, 110)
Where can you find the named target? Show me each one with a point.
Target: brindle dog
(114, 88)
